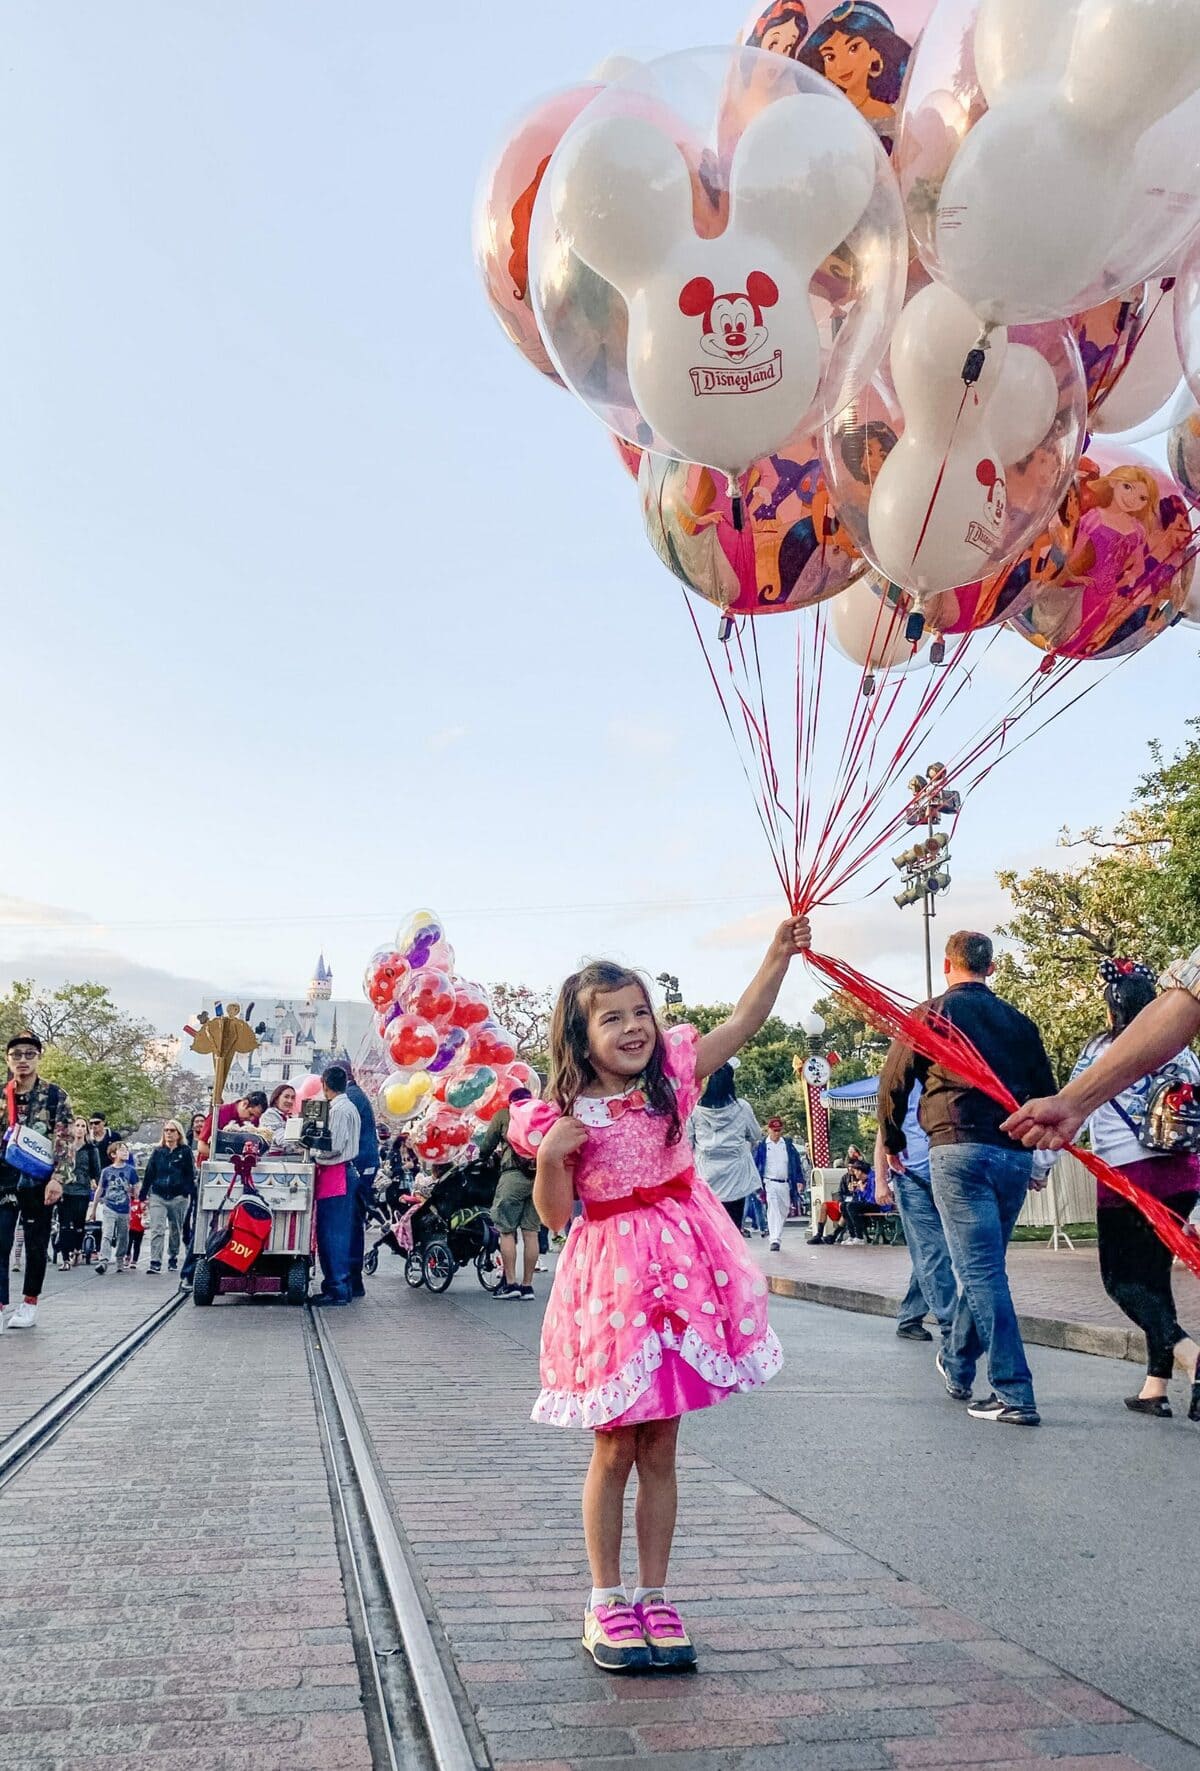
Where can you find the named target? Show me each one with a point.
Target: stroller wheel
(371, 1261)
(440, 1265)
(414, 1268)
(489, 1268)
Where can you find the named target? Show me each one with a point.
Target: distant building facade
(302, 1035)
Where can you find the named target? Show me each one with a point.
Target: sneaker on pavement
(172, 1266)
(612, 1635)
(774, 1248)
(541, 1267)
(154, 1267)
(100, 1267)
(506, 1293)
(662, 1627)
(913, 1331)
(525, 1293)
(992, 1408)
(24, 1316)
(956, 1392)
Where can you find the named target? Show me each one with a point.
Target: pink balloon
(309, 1089)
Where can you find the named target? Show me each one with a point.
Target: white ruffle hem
(592, 1408)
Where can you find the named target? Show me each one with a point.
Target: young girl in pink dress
(656, 1308)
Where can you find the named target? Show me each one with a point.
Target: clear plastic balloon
(491, 1044)
(1183, 456)
(743, 217)
(504, 210)
(471, 1006)
(386, 970)
(939, 481)
(1115, 567)
(1149, 395)
(791, 550)
(862, 49)
(870, 624)
(428, 994)
(403, 1096)
(1187, 317)
(472, 1088)
(412, 1044)
(1049, 150)
(451, 1054)
(523, 1075)
(422, 942)
(441, 1136)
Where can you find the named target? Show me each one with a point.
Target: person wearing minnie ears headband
(1134, 1264)
(656, 1309)
(35, 1128)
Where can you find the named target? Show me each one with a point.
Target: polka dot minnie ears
(1112, 971)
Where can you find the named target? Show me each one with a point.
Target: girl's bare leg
(657, 1499)
(613, 1456)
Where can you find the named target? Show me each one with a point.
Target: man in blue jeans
(980, 1176)
(334, 1180)
(362, 1183)
(905, 1180)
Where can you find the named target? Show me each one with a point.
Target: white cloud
(25, 913)
(165, 999)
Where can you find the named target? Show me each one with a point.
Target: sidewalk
(1058, 1295)
(813, 1653)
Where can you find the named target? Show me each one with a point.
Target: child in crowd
(137, 1229)
(656, 1308)
(114, 1196)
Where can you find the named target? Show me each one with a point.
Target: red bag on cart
(245, 1236)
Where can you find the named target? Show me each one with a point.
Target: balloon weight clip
(937, 652)
(914, 628)
(868, 686)
(725, 629)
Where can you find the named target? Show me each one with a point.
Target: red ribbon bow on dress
(633, 1102)
(679, 1187)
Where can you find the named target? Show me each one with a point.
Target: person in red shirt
(248, 1111)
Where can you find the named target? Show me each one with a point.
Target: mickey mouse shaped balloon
(729, 342)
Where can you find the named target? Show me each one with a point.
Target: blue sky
(322, 605)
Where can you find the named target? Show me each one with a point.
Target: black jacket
(170, 1173)
(951, 1113)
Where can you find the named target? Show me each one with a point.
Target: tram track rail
(417, 1718)
(32, 1437)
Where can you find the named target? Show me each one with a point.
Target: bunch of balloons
(876, 303)
(453, 1065)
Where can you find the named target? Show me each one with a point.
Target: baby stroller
(447, 1228)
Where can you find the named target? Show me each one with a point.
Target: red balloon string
(929, 1033)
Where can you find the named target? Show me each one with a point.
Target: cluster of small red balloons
(455, 1066)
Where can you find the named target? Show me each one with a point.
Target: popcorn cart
(271, 1253)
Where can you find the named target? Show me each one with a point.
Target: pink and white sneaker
(662, 1627)
(612, 1635)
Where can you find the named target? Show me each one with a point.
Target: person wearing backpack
(1142, 1133)
(513, 1209)
(35, 1127)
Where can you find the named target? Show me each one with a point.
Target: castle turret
(320, 987)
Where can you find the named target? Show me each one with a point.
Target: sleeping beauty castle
(302, 1035)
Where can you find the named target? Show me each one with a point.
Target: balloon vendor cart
(278, 1260)
(255, 1229)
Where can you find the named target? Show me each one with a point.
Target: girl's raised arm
(758, 999)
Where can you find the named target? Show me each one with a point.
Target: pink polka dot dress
(656, 1308)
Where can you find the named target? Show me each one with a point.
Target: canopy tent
(853, 1097)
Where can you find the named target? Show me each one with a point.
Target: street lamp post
(672, 996)
(925, 868)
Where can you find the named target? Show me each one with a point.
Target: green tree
(108, 1062)
(1136, 895)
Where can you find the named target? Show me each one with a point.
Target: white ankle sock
(642, 1593)
(606, 1596)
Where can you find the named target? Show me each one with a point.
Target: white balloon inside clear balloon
(722, 352)
(1083, 176)
(1150, 394)
(869, 624)
(938, 507)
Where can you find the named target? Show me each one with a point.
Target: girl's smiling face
(621, 1033)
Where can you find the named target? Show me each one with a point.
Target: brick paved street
(172, 1594)
(79, 1319)
(1057, 1287)
(813, 1653)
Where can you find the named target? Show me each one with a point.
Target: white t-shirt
(776, 1165)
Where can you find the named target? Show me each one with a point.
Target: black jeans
(736, 1209)
(854, 1213)
(1136, 1269)
(30, 1206)
(72, 1213)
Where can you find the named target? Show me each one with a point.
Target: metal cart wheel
(204, 1282)
(371, 1261)
(414, 1268)
(296, 1282)
(439, 1265)
(489, 1268)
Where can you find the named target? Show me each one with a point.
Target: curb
(1038, 1331)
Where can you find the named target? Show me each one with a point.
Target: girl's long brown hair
(570, 1059)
